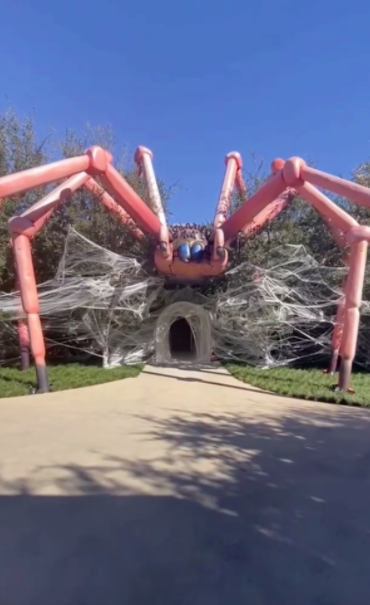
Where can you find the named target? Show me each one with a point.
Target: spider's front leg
(233, 177)
(143, 159)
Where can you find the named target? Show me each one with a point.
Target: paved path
(183, 487)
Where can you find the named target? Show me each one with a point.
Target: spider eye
(184, 252)
(197, 252)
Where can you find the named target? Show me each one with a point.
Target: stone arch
(200, 326)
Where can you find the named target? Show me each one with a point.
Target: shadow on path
(211, 382)
(264, 513)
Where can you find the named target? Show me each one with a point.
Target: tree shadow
(232, 510)
(202, 381)
(243, 386)
(191, 365)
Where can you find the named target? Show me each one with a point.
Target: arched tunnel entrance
(182, 343)
(184, 334)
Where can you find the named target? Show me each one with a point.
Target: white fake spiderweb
(107, 305)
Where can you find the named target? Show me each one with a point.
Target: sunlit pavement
(183, 487)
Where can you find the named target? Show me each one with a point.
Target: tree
(20, 149)
(298, 224)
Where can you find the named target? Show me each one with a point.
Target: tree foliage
(20, 149)
(299, 223)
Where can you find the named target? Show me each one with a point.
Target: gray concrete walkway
(183, 487)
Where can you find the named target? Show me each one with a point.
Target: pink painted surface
(111, 205)
(234, 165)
(271, 190)
(42, 175)
(130, 201)
(143, 159)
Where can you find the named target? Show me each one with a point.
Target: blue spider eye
(197, 252)
(184, 252)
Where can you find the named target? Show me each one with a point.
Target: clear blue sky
(195, 79)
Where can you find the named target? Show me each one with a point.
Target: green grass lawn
(13, 382)
(304, 384)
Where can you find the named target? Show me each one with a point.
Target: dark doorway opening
(182, 343)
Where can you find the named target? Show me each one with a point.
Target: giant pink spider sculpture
(188, 257)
